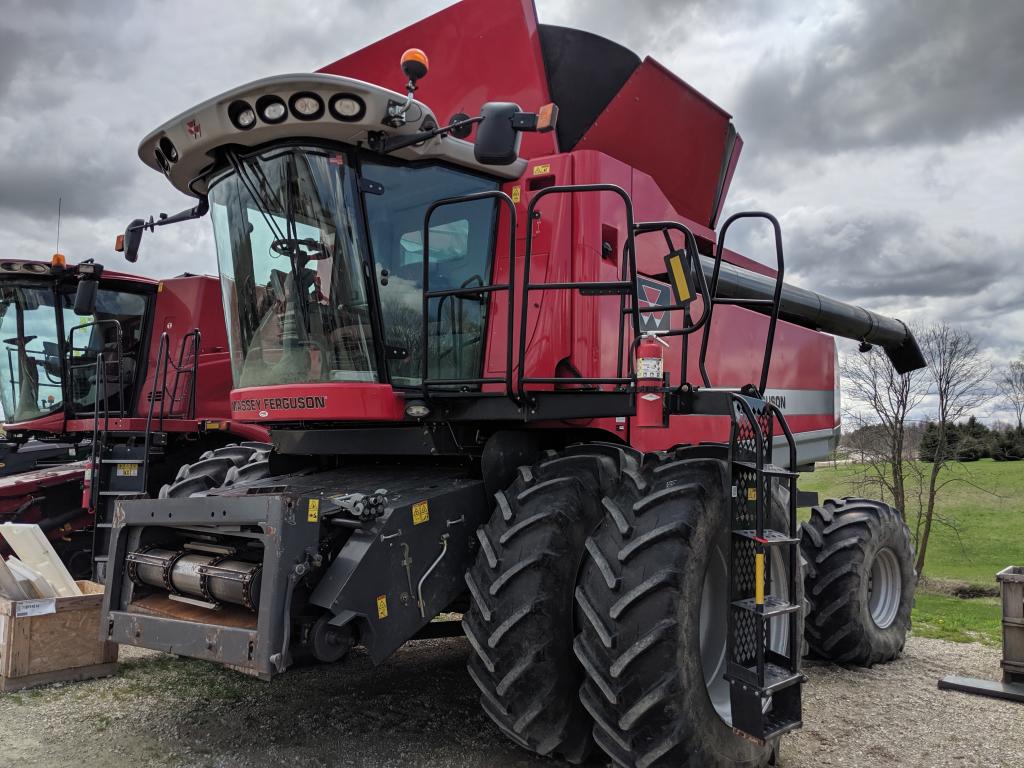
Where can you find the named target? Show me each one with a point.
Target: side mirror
(85, 297)
(129, 242)
(497, 140)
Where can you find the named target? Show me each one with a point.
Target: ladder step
(774, 727)
(772, 470)
(122, 461)
(773, 606)
(776, 678)
(770, 537)
(124, 494)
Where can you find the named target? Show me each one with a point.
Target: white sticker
(35, 607)
(650, 397)
(649, 368)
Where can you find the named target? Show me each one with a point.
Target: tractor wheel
(521, 618)
(653, 603)
(234, 463)
(860, 581)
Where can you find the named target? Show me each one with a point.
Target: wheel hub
(885, 588)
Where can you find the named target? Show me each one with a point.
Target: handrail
(775, 301)
(629, 266)
(99, 358)
(501, 197)
(692, 254)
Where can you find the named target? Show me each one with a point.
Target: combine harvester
(84, 351)
(520, 378)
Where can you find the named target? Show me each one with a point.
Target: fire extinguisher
(87, 486)
(650, 381)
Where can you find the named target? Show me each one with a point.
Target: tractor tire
(520, 623)
(652, 602)
(860, 581)
(232, 464)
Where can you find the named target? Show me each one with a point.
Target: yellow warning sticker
(517, 194)
(127, 470)
(313, 513)
(539, 169)
(751, 494)
(382, 606)
(759, 578)
(420, 512)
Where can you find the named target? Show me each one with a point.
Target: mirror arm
(391, 143)
(196, 212)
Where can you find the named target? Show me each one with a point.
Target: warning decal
(420, 512)
(313, 514)
(382, 606)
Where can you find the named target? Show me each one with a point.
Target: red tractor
(85, 349)
(519, 378)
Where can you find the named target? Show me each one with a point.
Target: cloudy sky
(888, 135)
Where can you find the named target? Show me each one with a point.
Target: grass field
(985, 503)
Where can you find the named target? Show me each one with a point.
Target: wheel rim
(714, 624)
(885, 588)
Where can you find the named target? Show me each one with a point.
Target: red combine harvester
(86, 348)
(519, 378)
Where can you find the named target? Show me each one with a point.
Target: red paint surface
(660, 125)
(479, 51)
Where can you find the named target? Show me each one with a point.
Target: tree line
(903, 460)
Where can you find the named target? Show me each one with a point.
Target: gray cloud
(897, 72)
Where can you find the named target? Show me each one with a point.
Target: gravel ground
(419, 709)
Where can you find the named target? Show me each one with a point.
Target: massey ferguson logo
(195, 130)
(261, 405)
(652, 293)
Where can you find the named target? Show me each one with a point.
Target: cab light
(242, 115)
(272, 109)
(346, 107)
(306, 106)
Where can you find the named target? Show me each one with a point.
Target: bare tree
(1011, 387)
(959, 377)
(882, 400)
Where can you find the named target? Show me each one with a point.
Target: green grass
(962, 621)
(985, 503)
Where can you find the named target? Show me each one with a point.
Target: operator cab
(50, 352)
(318, 187)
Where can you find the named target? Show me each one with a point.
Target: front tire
(520, 621)
(652, 600)
(860, 581)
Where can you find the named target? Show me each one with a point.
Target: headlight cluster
(305, 105)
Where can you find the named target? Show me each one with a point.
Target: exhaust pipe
(821, 313)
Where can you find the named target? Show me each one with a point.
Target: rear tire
(860, 581)
(641, 599)
(520, 621)
(231, 464)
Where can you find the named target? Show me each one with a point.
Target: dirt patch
(420, 709)
(962, 589)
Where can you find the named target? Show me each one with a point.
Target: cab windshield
(286, 230)
(30, 367)
(37, 321)
(294, 267)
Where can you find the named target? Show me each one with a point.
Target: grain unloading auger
(475, 363)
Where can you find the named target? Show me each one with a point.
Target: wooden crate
(1011, 584)
(54, 640)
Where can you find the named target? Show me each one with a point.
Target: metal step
(773, 606)
(771, 470)
(770, 537)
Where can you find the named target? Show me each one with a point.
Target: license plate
(127, 470)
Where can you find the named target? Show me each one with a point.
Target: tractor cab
(73, 343)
